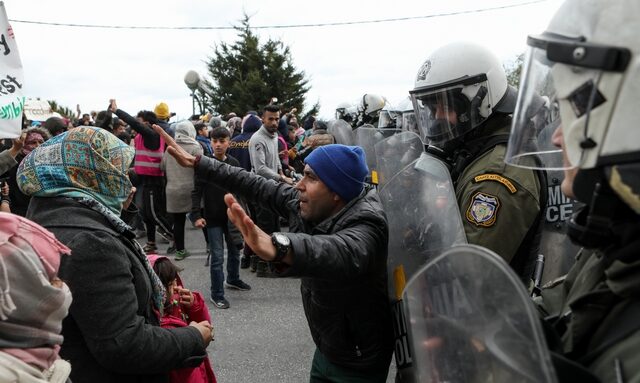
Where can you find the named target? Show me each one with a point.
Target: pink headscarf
(29, 261)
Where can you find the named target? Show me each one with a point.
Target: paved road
(263, 337)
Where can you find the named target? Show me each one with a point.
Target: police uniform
(596, 311)
(500, 204)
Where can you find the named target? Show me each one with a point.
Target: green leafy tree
(514, 70)
(63, 110)
(246, 75)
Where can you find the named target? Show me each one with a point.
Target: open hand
(258, 240)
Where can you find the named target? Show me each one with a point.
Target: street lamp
(194, 82)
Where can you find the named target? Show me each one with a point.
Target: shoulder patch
(497, 178)
(483, 209)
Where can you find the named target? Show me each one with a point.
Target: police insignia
(483, 209)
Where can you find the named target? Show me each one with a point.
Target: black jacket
(111, 333)
(342, 264)
(214, 210)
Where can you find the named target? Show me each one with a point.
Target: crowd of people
(81, 299)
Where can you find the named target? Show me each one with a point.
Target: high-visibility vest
(147, 161)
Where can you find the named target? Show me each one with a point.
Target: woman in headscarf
(33, 137)
(180, 184)
(33, 302)
(78, 183)
(235, 126)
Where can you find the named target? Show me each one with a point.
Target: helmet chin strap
(592, 225)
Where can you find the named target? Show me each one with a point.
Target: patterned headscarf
(83, 162)
(31, 309)
(89, 165)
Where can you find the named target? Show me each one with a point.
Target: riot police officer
(463, 106)
(588, 63)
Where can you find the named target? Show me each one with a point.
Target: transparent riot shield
(367, 136)
(424, 220)
(395, 153)
(558, 250)
(341, 131)
(471, 320)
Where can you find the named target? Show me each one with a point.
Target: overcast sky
(140, 68)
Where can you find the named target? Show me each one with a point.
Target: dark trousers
(154, 208)
(178, 229)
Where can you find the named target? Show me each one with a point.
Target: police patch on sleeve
(483, 209)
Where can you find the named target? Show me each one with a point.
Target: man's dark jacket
(341, 262)
(111, 333)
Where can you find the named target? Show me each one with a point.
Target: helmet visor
(384, 120)
(546, 89)
(446, 113)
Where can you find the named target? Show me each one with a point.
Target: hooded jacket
(239, 146)
(341, 262)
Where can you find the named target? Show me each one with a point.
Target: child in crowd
(181, 307)
(219, 229)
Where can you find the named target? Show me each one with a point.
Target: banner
(11, 80)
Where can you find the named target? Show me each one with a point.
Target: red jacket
(179, 316)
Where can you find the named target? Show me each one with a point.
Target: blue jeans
(216, 246)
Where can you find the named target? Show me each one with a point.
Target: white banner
(11, 80)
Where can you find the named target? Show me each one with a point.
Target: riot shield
(367, 136)
(558, 250)
(471, 320)
(424, 220)
(341, 131)
(395, 153)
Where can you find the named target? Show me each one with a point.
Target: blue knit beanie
(342, 168)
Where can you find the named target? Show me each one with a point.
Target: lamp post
(192, 80)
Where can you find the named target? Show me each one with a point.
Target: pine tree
(246, 75)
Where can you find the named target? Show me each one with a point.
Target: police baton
(537, 275)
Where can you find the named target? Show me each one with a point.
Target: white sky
(140, 68)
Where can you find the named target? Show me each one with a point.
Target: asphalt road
(263, 336)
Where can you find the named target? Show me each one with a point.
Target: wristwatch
(282, 244)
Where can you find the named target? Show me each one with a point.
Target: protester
(112, 333)
(338, 246)
(180, 185)
(239, 149)
(180, 307)
(219, 230)
(33, 137)
(202, 136)
(34, 302)
(263, 151)
(149, 150)
(55, 126)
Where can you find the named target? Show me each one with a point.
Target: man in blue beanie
(337, 245)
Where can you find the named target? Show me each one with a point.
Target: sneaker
(237, 285)
(253, 263)
(245, 262)
(150, 248)
(220, 303)
(171, 249)
(181, 254)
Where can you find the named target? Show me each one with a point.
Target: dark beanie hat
(342, 168)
